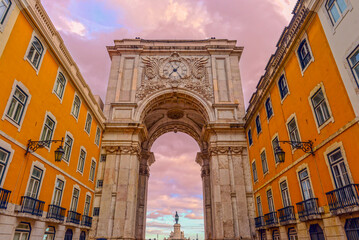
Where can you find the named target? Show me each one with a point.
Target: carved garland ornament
(225, 150)
(175, 72)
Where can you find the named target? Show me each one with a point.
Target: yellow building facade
(301, 109)
(44, 98)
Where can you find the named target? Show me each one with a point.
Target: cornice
(35, 12)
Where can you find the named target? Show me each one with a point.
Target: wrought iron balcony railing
(4, 198)
(286, 214)
(343, 197)
(73, 217)
(56, 212)
(259, 221)
(308, 208)
(86, 221)
(32, 206)
(271, 218)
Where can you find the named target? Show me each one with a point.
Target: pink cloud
(193, 216)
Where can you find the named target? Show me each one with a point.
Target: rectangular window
(254, 171)
(259, 206)
(270, 201)
(283, 87)
(339, 170)
(75, 200)
(92, 170)
(320, 107)
(48, 130)
(293, 131)
(4, 158)
(34, 183)
(258, 125)
(305, 184)
(76, 107)
(304, 54)
(59, 187)
(81, 164)
(67, 148)
(17, 105)
(87, 205)
(4, 9)
(250, 140)
(264, 162)
(275, 145)
(103, 158)
(88, 123)
(96, 211)
(35, 52)
(60, 85)
(353, 60)
(269, 108)
(285, 193)
(336, 9)
(99, 183)
(98, 136)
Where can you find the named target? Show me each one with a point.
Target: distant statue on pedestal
(176, 217)
(177, 234)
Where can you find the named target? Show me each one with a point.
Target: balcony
(86, 221)
(344, 199)
(286, 215)
(73, 217)
(271, 219)
(4, 198)
(56, 212)
(308, 209)
(32, 206)
(259, 221)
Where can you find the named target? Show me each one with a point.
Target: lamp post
(34, 145)
(306, 147)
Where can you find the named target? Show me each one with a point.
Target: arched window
(292, 234)
(22, 231)
(304, 54)
(35, 52)
(352, 228)
(283, 88)
(68, 234)
(4, 9)
(83, 236)
(60, 85)
(316, 232)
(49, 233)
(76, 106)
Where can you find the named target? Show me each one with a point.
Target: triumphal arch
(160, 86)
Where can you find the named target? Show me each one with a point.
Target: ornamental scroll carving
(175, 72)
(225, 150)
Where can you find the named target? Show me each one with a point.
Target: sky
(88, 26)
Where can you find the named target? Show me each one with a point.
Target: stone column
(203, 160)
(147, 158)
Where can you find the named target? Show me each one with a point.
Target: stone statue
(176, 217)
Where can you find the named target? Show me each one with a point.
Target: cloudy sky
(87, 26)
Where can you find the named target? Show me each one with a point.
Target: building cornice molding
(36, 13)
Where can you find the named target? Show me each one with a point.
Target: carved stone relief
(175, 72)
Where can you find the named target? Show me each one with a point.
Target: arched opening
(175, 185)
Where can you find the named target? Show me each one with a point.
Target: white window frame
(72, 194)
(40, 166)
(271, 190)
(299, 169)
(89, 209)
(250, 144)
(72, 107)
(26, 91)
(78, 162)
(282, 179)
(254, 162)
(351, 66)
(255, 122)
(63, 179)
(59, 71)
(7, 147)
(342, 15)
(87, 116)
(50, 115)
(304, 37)
(99, 137)
(286, 125)
(93, 160)
(263, 150)
(261, 206)
(311, 94)
(265, 108)
(73, 140)
(286, 81)
(34, 34)
(274, 156)
(7, 15)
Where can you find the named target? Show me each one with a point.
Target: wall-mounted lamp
(306, 147)
(34, 145)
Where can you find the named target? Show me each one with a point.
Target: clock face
(175, 70)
